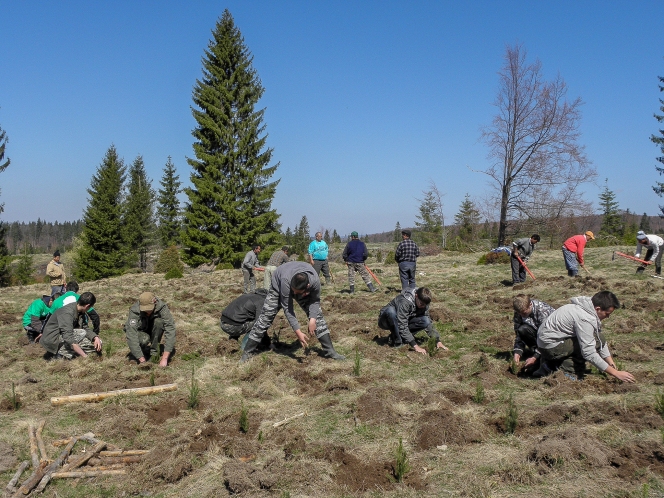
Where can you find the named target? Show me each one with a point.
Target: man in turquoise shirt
(318, 256)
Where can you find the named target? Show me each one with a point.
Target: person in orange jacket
(573, 252)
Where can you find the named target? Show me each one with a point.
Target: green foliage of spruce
(169, 213)
(479, 395)
(13, 398)
(612, 223)
(229, 203)
(244, 419)
(658, 140)
(23, 273)
(396, 237)
(644, 224)
(139, 225)
(194, 392)
(511, 417)
(169, 259)
(357, 363)
(224, 266)
(401, 465)
(173, 273)
(103, 249)
(467, 219)
(389, 258)
(431, 346)
(4, 253)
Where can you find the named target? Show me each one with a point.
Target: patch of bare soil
(227, 347)
(502, 302)
(8, 460)
(359, 475)
(573, 445)
(244, 477)
(372, 406)
(347, 305)
(555, 414)
(504, 341)
(7, 318)
(161, 413)
(457, 397)
(442, 426)
(643, 304)
(633, 457)
(33, 350)
(635, 417)
(165, 464)
(6, 404)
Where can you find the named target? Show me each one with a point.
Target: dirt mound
(555, 414)
(635, 417)
(504, 341)
(439, 427)
(165, 464)
(7, 318)
(227, 347)
(457, 397)
(240, 477)
(33, 350)
(347, 305)
(7, 458)
(643, 304)
(373, 406)
(570, 446)
(631, 459)
(161, 413)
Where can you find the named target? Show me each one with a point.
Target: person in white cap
(150, 319)
(653, 245)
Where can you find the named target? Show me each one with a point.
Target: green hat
(353, 234)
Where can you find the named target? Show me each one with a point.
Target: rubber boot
(352, 289)
(249, 350)
(658, 270)
(371, 287)
(640, 269)
(328, 349)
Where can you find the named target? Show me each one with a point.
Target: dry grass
(592, 438)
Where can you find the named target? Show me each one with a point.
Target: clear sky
(366, 101)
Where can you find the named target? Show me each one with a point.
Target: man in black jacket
(240, 315)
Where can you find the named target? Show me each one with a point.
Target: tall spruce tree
(139, 223)
(229, 204)
(612, 223)
(659, 141)
(644, 224)
(103, 250)
(467, 218)
(168, 207)
(397, 233)
(336, 238)
(4, 253)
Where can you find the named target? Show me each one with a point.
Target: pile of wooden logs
(101, 460)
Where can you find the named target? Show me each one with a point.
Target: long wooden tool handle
(524, 265)
(138, 391)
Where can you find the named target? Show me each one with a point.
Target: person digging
(529, 314)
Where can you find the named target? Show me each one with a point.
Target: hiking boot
(542, 371)
(658, 270)
(328, 349)
(371, 287)
(249, 350)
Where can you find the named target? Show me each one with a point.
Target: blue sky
(365, 101)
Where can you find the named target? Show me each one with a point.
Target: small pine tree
(103, 250)
(644, 224)
(168, 206)
(429, 221)
(397, 233)
(611, 221)
(326, 237)
(23, 271)
(336, 238)
(467, 219)
(139, 214)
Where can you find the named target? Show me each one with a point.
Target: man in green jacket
(71, 296)
(149, 319)
(63, 337)
(33, 319)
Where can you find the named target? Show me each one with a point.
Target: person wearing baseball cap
(355, 254)
(653, 245)
(573, 252)
(149, 319)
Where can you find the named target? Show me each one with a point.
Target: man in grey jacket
(408, 313)
(293, 282)
(249, 264)
(524, 248)
(64, 337)
(572, 335)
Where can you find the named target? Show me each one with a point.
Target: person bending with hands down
(572, 335)
(529, 314)
(408, 313)
(293, 282)
(654, 246)
(149, 319)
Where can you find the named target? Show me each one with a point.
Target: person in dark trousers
(66, 334)
(524, 248)
(654, 246)
(149, 319)
(71, 296)
(406, 314)
(55, 271)
(317, 253)
(572, 335)
(293, 282)
(240, 315)
(355, 254)
(249, 264)
(36, 315)
(406, 255)
(529, 314)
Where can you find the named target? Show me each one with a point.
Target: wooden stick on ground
(88, 473)
(11, 485)
(40, 474)
(92, 397)
(83, 459)
(122, 453)
(40, 441)
(33, 446)
(289, 419)
(89, 437)
(113, 460)
(114, 466)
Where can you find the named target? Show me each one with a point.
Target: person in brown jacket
(55, 271)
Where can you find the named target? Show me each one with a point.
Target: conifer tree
(657, 140)
(103, 250)
(139, 214)
(168, 208)
(612, 223)
(397, 233)
(326, 236)
(467, 218)
(229, 203)
(336, 238)
(645, 223)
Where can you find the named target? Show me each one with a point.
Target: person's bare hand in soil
(420, 350)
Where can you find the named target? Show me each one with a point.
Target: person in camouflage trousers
(277, 259)
(355, 254)
(149, 319)
(529, 314)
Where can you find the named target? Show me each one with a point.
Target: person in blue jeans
(406, 255)
(406, 314)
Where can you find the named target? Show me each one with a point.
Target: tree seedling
(109, 349)
(401, 466)
(357, 364)
(152, 378)
(511, 417)
(13, 398)
(431, 346)
(479, 393)
(194, 392)
(154, 357)
(659, 403)
(244, 419)
(514, 367)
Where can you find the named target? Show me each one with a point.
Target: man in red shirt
(573, 252)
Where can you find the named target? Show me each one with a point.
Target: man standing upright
(654, 250)
(406, 255)
(573, 252)
(56, 274)
(249, 264)
(523, 248)
(355, 254)
(277, 259)
(318, 256)
(293, 282)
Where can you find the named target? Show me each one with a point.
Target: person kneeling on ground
(35, 316)
(293, 281)
(240, 315)
(572, 335)
(149, 319)
(63, 337)
(71, 296)
(529, 314)
(408, 313)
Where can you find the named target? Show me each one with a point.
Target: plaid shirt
(540, 312)
(407, 250)
(278, 258)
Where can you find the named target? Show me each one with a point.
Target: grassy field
(595, 438)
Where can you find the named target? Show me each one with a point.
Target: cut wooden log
(89, 437)
(126, 459)
(88, 473)
(289, 419)
(114, 466)
(93, 397)
(40, 441)
(11, 485)
(108, 453)
(44, 473)
(33, 446)
(76, 462)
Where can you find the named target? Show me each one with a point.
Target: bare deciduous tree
(533, 141)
